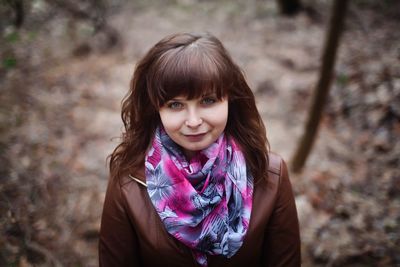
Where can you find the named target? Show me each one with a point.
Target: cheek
(170, 121)
(220, 115)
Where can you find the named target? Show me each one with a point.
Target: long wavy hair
(187, 64)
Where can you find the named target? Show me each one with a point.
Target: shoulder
(126, 196)
(278, 174)
(133, 179)
(132, 183)
(121, 188)
(267, 192)
(275, 163)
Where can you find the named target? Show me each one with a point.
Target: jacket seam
(280, 175)
(275, 169)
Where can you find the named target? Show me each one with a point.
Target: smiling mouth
(195, 137)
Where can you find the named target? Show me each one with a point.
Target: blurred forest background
(66, 65)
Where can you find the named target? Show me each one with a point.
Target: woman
(192, 182)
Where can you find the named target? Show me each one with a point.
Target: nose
(193, 119)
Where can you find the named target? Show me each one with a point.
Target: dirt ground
(60, 119)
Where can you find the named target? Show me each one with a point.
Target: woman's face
(194, 124)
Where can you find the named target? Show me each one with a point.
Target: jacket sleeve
(282, 237)
(118, 244)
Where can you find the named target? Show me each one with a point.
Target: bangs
(190, 72)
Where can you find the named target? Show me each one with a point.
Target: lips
(195, 137)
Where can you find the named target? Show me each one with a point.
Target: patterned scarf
(205, 203)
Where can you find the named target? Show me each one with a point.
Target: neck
(189, 154)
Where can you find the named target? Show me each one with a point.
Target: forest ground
(62, 85)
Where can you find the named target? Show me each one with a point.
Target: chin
(195, 148)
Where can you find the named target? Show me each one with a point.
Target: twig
(39, 248)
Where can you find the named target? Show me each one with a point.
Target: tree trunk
(289, 7)
(18, 8)
(322, 89)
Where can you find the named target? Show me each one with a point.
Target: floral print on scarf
(204, 203)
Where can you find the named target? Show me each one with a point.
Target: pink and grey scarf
(205, 203)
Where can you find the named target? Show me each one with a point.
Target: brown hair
(187, 64)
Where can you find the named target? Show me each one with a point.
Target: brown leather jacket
(132, 233)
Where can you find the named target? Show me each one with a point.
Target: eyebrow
(176, 99)
(210, 94)
(181, 98)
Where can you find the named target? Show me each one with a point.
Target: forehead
(193, 93)
(185, 96)
(191, 74)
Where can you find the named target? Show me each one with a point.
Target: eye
(208, 100)
(175, 105)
